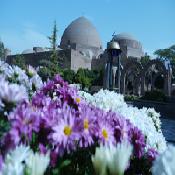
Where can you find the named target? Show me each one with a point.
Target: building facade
(81, 47)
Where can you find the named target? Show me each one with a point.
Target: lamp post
(114, 70)
(114, 51)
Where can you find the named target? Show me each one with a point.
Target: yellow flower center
(105, 133)
(78, 100)
(67, 130)
(86, 124)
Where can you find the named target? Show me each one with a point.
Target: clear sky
(27, 23)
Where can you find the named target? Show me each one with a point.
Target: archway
(153, 70)
(130, 77)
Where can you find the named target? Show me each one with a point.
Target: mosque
(81, 47)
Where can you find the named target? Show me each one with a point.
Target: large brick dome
(81, 31)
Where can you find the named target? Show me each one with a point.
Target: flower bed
(146, 119)
(59, 130)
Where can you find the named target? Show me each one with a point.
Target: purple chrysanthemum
(53, 157)
(25, 120)
(63, 135)
(121, 126)
(1, 162)
(62, 122)
(105, 129)
(138, 141)
(87, 122)
(151, 154)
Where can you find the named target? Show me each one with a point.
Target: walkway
(168, 128)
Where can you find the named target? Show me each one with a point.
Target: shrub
(155, 95)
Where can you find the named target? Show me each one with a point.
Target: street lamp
(114, 51)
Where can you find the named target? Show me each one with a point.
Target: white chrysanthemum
(36, 81)
(147, 120)
(12, 92)
(86, 96)
(99, 160)
(114, 159)
(155, 116)
(164, 163)
(140, 119)
(120, 157)
(31, 70)
(108, 100)
(15, 74)
(13, 164)
(37, 163)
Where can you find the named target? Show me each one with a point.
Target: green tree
(144, 60)
(97, 77)
(51, 66)
(82, 78)
(19, 61)
(69, 75)
(2, 51)
(87, 78)
(168, 53)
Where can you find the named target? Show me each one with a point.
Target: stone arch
(133, 68)
(160, 67)
(173, 93)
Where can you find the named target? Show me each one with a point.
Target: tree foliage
(88, 78)
(144, 60)
(2, 50)
(69, 75)
(19, 61)
(51, 66)
(82, 77)
(168, 53)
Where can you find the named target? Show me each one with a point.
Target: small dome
(123, 36)
(27, 51)
(81, 31)
(125, 39)
(130, 46)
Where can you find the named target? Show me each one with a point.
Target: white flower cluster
(155, 116)
(22, 161)
(16, 75)
(164, 163)
(11, 93)
(112, 159)
(147, 120)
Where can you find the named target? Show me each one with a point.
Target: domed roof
(27, 51)
(81, 31)
(123, 36)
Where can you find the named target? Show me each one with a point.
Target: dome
(130, 46)
(81, 31)
(27, 51)
(125, 39)
(123, 36)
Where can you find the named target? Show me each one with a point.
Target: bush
(130, 97)
(84, 77)
(69, 75)
(155, 95)
(19, 61)
(89, 78)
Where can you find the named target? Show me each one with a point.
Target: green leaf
(65, 163)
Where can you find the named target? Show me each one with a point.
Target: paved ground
(168, 128)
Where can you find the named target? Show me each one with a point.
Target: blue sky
(27, 23)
